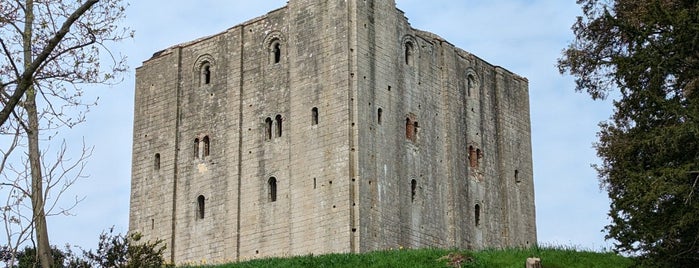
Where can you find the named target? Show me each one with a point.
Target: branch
(25, 81)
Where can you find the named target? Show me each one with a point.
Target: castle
(328, 126)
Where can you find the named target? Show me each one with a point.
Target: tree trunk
(43, 247)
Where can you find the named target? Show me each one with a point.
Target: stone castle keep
(328, 126)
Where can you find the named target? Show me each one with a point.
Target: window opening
(413, 187)
(379, 114)
(470, 84)
(277, 51)
(314, 116)
(409, 53)
(200, 206)
(206, 73)
(196, 148)
(279, 125)
(473, 159)
(205, 140)
(477, 214)
(517, 180)
(272, 183)
(268, 128)
(409, 129)
(156, 164)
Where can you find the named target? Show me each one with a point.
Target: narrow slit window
(201, 206)
(472, 158)
(379, 113)
(409, 129)
(268, 128)
(207, 146)
(206, 73)
(409, 53)
(470, 84)
(413, 188)
(477, 215)
(272, 184)
(277, 52)
(517, 179)
(314, 116)
(279, 125)
(156, 162)
(196, 148)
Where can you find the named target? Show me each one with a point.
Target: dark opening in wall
(470, 84)
(196, 148)
(409, 129)
(277, 51)
(413, 187)
(477, 215)
(268, 128)
(152, 224)
(272, 185)
(479, 154)
(379, 113)
(279, 125)
(156, 162)
(207, 147)
(206, 73)
(201, 206)
(314, 116)
(314, 183)
(517, 179)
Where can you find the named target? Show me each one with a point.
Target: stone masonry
(328, 126)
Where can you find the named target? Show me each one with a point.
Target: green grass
(550, 258)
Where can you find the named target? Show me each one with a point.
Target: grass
(551, 257)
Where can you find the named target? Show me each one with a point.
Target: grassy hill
(550, 258)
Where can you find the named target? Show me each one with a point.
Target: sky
(523, 36)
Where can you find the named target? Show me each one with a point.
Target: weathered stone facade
(328, 126)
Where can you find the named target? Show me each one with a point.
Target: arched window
(268, 128)
(272, 184)
(409, 53)
(314, 116)
(196, 148)
(470, 84)
(279, 125)
(201, 206)
(477, 215)
(156, 162)
(205, 73)
(205, 141)
(413, 187)
(409, 129)
(379, 113)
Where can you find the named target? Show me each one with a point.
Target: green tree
(647, 54)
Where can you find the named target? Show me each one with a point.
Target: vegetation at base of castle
(551, 257)
(48, 51)
(114, 250)
(645, 55)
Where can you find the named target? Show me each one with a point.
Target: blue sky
(524, 36)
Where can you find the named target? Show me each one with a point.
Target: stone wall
(328, 126)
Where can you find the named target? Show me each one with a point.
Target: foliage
(114, 250)
(515, 258)
(648, 52)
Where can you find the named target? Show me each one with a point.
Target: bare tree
(49, 48)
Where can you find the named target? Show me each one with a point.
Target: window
(470, 84)
(205, 140)
(378, 115)
(201, 206)
(277, 51)
(279, 125)
(409, 53)
(409, 129)
(472, 157)
(413, 187)
(268, 128)
(517, 179)
(477, 215)
(272, 184)
(205, 78)
(156, 164)
(196, 148)
(314, 116)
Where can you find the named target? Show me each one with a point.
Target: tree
(647, 54)
(48, 49)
